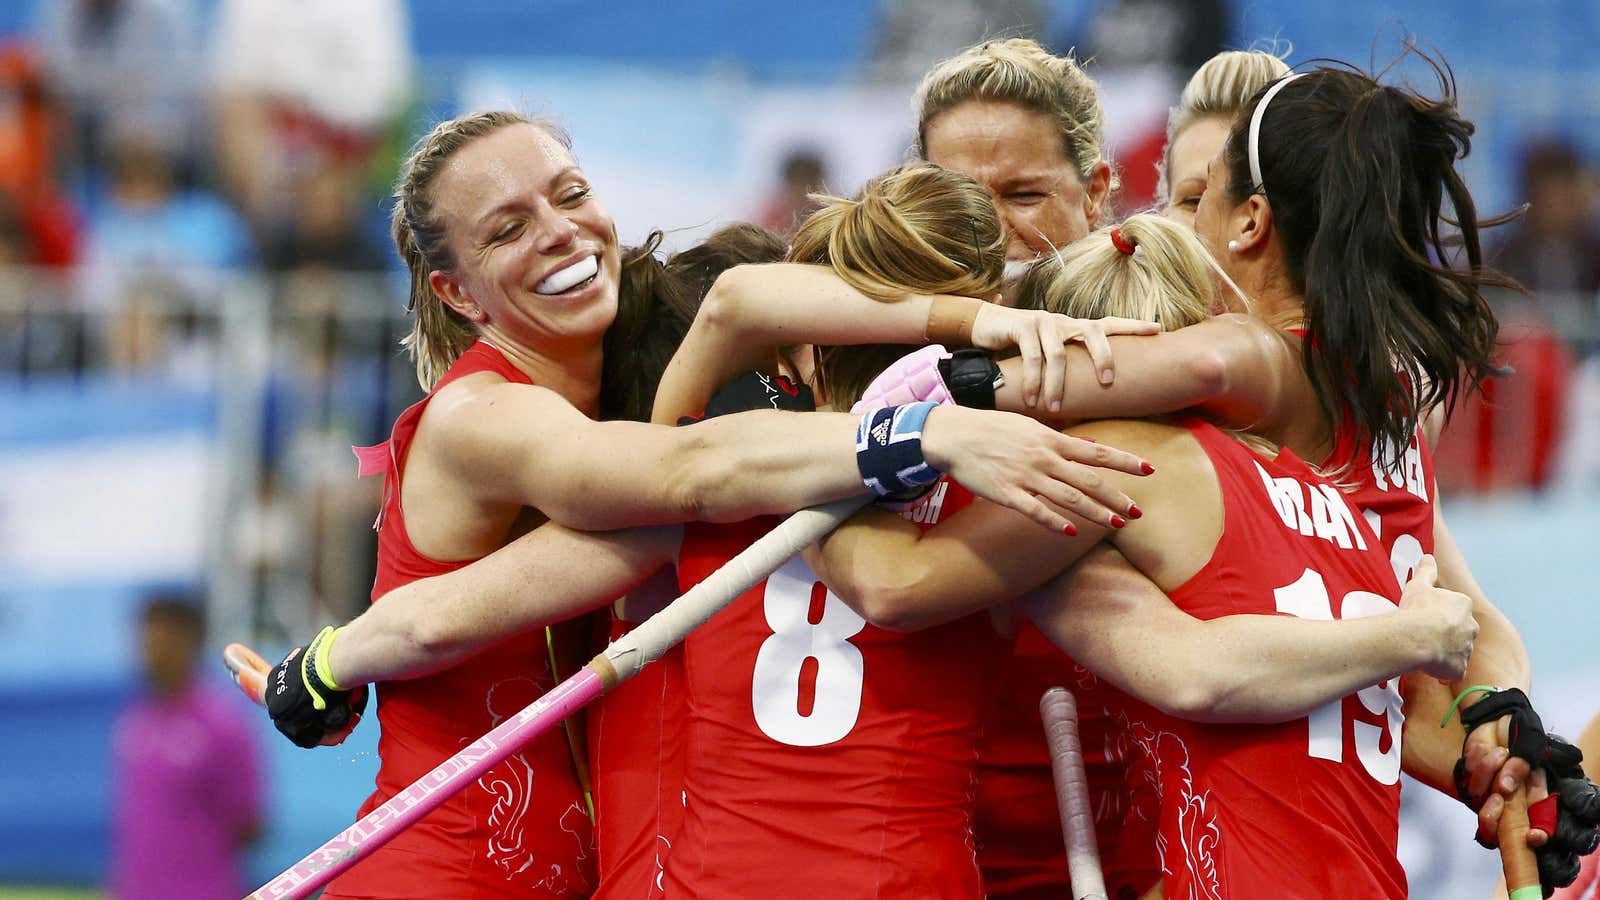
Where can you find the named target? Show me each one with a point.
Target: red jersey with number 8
(826, 757)
(1305, 808)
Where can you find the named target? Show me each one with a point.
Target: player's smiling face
(535, 252)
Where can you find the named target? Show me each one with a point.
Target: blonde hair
(1221, 87)
(1169, 278)
(439, 334)
(916, 228)
(1019, 71)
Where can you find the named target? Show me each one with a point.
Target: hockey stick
(1060, 713)
(620, 661)
(1517, 861)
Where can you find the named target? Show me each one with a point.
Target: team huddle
(1178, 464)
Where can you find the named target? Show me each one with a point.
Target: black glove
(303, 705)
(755, 390)
(1570, 815)
(971, 376)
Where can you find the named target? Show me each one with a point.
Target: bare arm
(1499, 658)
(545, 576)
(753, 310)
(511, 443)
(515, 444)
(1245, 668)
(1238, 370)
(903, 579)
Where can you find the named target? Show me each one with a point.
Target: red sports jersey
(1020, 847)
(522, 830)
(1306, 808)
(1397, 498)
(826, 757)
(636, 734)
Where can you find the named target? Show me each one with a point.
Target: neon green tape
(1485, 688)
(305, 677)
(324, 655)
(1532, 892)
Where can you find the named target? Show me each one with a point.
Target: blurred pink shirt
(185, 785)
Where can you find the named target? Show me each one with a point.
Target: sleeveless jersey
(1396, 497)
(1018, 830)
(522, 830)
(1302, 809)
(826, 757)
(636, 736)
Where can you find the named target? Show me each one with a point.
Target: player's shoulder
(481, 401)
(1157, 440)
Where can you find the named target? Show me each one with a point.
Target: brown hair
(439, 334)
(657, 302)
(916, 228)
(1358, 175)
(1220, 87)
(1019, 71)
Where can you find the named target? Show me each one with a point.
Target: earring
(1233, 246)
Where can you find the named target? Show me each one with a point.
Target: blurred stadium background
(199, 308)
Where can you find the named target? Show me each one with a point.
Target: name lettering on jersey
(927, 512)
(1314, 510)
(1403, 471)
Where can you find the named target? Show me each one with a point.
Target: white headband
(1255, 132)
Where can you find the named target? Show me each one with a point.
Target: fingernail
(1134, 511)
(1105, 376)
(1508, 784)
(1055, 406)
(1147, 468)
(1088, 440)
(1117, 521)
(1070, 530)
(1031, 399)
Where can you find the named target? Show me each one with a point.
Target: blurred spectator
(185, 779)
(1180, 34)
(46, 227)
(915, 33)
(327, 227)
(152, 248)
(1555, 249)
(303, 90)
(803, 173)
(114, 62)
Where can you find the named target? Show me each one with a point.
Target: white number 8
(775, 686)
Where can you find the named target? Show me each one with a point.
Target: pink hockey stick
(620, 661)
(1060, 713)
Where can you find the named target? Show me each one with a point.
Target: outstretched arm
(511, 443)
(1240, 371)
(901, 578)
(547, 575)
(1244, 668)
(753, 310)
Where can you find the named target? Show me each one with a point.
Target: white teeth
(570, 277)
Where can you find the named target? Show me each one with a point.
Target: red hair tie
(1120, 242)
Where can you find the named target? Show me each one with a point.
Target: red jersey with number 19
(1305, 808)
(826, 757)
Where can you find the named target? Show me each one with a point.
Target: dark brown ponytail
(1359, 176)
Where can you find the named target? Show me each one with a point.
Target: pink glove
(911, 378)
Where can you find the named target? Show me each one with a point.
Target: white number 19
(1307, 598)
